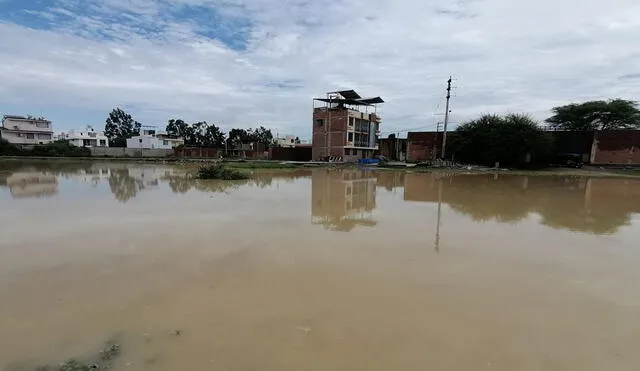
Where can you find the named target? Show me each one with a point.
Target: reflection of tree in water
(591, 205)
(123, 186)
(179, 183)
(485, 199)
(598, 206)
(218, 186)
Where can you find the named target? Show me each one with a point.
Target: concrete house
(23, 130)
(88, 138)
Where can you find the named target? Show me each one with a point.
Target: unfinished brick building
(345, 126)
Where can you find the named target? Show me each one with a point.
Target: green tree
(512, 140)
(214, 137)
(120, 126)
(181, 129)
(237, 137)
(596, 115)
(261, 135)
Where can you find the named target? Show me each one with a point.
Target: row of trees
(518, 140)
(121, 125)
(596, 115)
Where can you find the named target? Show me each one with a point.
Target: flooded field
(317, 270)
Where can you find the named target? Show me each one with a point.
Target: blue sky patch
(159, 20)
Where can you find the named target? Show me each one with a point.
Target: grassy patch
(219, 171)
(259, 165)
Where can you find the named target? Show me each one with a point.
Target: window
(30, 136)
(320, 122)
(103, 142)
(165, 142)
(44, 136)
(350, 137)
(139, 140)
(351, 120)
(43, 125)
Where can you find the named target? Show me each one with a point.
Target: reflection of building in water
(391, 180)
(24, 184)
(342, 200)
(92, 175)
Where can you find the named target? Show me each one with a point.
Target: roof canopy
(350, 97)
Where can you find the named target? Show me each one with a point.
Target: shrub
(59, 148)
(512, 140)
(218, 171)
(8, 149)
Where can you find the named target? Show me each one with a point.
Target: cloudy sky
(242, 62)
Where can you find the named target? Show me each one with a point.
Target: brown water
(318, 270)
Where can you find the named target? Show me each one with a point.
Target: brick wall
(616, 147)
(420, 146)
(338, 129)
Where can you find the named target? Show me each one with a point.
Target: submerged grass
(221, 172)
(259, 165)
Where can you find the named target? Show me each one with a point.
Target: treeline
(121, 125)
(517, 140)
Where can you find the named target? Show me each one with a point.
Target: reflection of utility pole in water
(439, 214)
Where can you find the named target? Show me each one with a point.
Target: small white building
(26, 130)
(149, 139)
(286, 141)
(88, 138)
(173, 141)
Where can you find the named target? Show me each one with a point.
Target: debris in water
(101, 362)
(304, 329)
(110, 352)
(177, 332)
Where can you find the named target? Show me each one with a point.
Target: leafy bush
(512, 141)
(218, 171)
(60, 148)
(8, 149)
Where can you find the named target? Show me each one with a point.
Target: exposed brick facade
(393, 149)
(338, 128)
(616, 147)
(421, 145)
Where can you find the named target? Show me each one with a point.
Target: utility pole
(446, 120)
(328, 128)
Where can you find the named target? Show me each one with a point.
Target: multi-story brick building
(345, 126)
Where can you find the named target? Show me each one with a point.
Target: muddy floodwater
(317, 270)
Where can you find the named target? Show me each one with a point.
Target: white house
(150, 140)
(286, 141)
(26, 130)
(89, 138)
(172, 140)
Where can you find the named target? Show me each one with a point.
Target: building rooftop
(350, 97)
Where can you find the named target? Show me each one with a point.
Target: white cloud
(506, 56)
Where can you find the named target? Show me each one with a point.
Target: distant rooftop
(349, 97)
(16, 117)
